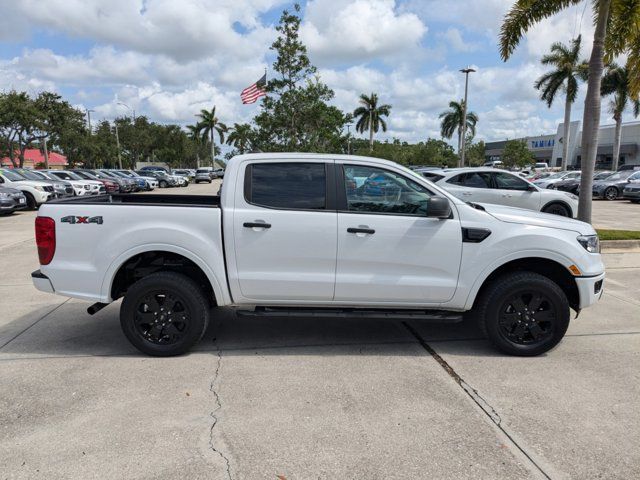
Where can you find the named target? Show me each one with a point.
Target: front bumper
(590, 289)
(42, 282)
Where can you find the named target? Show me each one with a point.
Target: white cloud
(359, 29)
(454, 39)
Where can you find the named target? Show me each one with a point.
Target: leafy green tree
(241, 137)
(431, 152)
(295, 114)
(516, 154)
(369, 115)
(452, 121)
(616, 82)
(616, 32)
(18, 120)
(568, 68)
(208, 125)
(475, 153)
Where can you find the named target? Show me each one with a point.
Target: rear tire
(557, 209)
(164, 314)
(163, 184)
(523, 313)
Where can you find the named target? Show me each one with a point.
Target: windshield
(620, 175)
(556, 175)
(13, 176)
(66, 175)
(29, 175)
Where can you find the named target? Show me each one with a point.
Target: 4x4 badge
(73, 219)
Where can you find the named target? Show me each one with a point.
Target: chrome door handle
(467, 194)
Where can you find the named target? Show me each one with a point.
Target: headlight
(38, 187)
(77, 185)
(571, 195)
(4, 195)
(591, 243)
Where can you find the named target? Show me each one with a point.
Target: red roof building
(33, 157)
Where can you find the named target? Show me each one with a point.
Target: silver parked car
(203, 175)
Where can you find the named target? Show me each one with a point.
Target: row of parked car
(24, 188)
(607, 185)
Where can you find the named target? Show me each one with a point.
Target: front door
(472, 187)
(284, 232)
(388, 250)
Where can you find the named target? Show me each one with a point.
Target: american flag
(255, 91)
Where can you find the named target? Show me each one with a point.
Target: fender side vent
(474, 235)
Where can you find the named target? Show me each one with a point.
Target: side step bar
(436, 316)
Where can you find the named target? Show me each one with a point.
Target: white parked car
(316, 235)
(487, 185)
(555, 178)
(36, 192)
(80, 185)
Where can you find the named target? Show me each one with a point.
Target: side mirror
(438, 207)
(532, 188)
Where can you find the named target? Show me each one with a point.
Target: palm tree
(452, 122)
(370, 115)
(208, 125)
(241, 137)
(195, 135)
(568, 69)
(621, 17)
(616, 82)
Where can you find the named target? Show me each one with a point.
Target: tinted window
(472, 180)
(370, 189)
(288, 185)
(510, 182)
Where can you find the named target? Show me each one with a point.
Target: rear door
(284, 231)
(472, 187)
(514, 191)
(389, 252)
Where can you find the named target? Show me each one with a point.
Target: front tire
(523, 313)
(164, 314)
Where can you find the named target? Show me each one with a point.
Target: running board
(436, 316)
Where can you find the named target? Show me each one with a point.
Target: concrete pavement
(311, 398)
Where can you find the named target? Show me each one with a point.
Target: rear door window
(298, 186)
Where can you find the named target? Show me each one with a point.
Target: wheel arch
(547, 267)
(136, 263)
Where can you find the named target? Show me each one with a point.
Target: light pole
(88, 112)
(349, 138)
(115, 122)
(133, 114)
(463, 140)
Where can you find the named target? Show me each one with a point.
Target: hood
(10, 191)
(538, 219)
(33, 183)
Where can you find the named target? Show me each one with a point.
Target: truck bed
(211, 201)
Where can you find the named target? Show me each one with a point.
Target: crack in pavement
(482, 403)
(212, 389)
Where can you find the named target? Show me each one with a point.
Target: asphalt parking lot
(314, 398)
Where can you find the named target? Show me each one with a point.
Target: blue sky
(169, 59)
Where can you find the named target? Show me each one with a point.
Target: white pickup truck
(321, 235)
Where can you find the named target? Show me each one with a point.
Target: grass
(618, 234)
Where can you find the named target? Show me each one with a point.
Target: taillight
(45, 239)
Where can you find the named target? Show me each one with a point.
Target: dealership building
(548, 148)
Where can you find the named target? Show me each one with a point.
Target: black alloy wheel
(523, 313)
(164, 314)
(527, 317)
